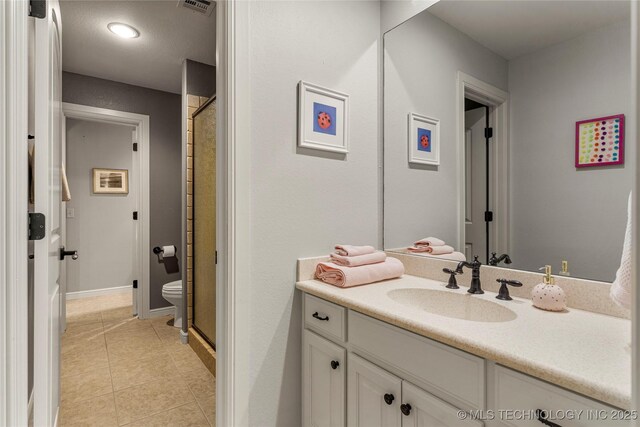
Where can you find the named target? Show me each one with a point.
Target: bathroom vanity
(409, 352)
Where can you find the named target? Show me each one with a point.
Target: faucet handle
(453, 283)
(503, 293)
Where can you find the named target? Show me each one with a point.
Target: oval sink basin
(452, 304)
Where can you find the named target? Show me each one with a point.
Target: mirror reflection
(504, 134)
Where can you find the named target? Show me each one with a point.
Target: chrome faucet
(476, 287)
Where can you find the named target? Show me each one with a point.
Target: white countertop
(584, 352)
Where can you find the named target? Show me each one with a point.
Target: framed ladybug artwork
(323, 118)
(424, 140)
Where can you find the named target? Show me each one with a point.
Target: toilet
(172, 292)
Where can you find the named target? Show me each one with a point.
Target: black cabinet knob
(405, 408)
(389, 398)
(541, 415)
(335, 364)
(317, 316)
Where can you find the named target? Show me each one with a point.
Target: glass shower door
(204, 221)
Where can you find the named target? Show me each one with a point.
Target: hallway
(118, 370)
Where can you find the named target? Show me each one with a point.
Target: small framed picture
(600, 142)
(424, 140)
(110, 181)
(323, 118)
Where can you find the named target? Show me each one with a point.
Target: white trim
(13, 209)
(164, 311)
(233, 218)
(632, 132)
(99, 292)
(183, 177)
(30, 408)
(475, 89)
(141, 123)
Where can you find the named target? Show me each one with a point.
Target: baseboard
(164, 311)
(99, 292)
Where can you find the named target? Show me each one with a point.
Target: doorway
(99, 221)
(484, 173)
(477, 188)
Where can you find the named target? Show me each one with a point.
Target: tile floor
(118, 370)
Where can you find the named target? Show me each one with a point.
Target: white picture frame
(423, 140)
(323, 118)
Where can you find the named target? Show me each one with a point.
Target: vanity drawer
(453, 375)
(324, 317)
(512, 390)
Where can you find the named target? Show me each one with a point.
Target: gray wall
(558, 212)
(102, 229)
(304, 201)
(201, 79)
(422, 58)
(164, 110)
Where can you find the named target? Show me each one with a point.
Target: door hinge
(135, 146)
(216, 258)
(488, 216)
(36, 226)
(488, 133)
(135, 215)
(135, 284)
(38, 8)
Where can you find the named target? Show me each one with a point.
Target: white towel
(621, 288)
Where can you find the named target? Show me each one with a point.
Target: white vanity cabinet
(377, 398)
(324, 381)
(362, 372)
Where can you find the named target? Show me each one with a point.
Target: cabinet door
(421, 409)
(374, 395)
(323, 382)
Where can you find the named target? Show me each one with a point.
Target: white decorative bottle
(547, 295)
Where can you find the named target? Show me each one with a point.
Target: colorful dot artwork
(600, 142)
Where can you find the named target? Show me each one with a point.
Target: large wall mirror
(550, 181)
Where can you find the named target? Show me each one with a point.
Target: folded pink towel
(350, 250)
(433, 250)
(354, 261)
(429, 241)
(345, 277)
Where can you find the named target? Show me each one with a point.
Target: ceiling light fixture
(123, 30)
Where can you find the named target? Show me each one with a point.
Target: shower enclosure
(204, 221)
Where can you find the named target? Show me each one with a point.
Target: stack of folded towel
(436, 247)
(358, 265)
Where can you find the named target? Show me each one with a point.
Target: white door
(323, 382)
(48, 201)
(421, 409)
(374, 395)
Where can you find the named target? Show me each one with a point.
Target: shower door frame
(193, 222)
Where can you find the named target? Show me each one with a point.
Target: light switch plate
(71, 213)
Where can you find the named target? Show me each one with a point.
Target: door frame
(141, 178)
(498, 101)
(13, 212)
(233, 205)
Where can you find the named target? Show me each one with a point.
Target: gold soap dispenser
(547, 295)
(564, 270)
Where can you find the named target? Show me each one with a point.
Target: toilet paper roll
(168, 251)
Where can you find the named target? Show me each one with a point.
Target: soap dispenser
(564, 270)
(547, 295)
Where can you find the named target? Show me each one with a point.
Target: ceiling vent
(202, 6)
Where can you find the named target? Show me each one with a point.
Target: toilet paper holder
(170, 262)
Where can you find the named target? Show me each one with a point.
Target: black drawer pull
(405, 408)
(317, 316)
(389, 398)
(541, 415)
(335, 364)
